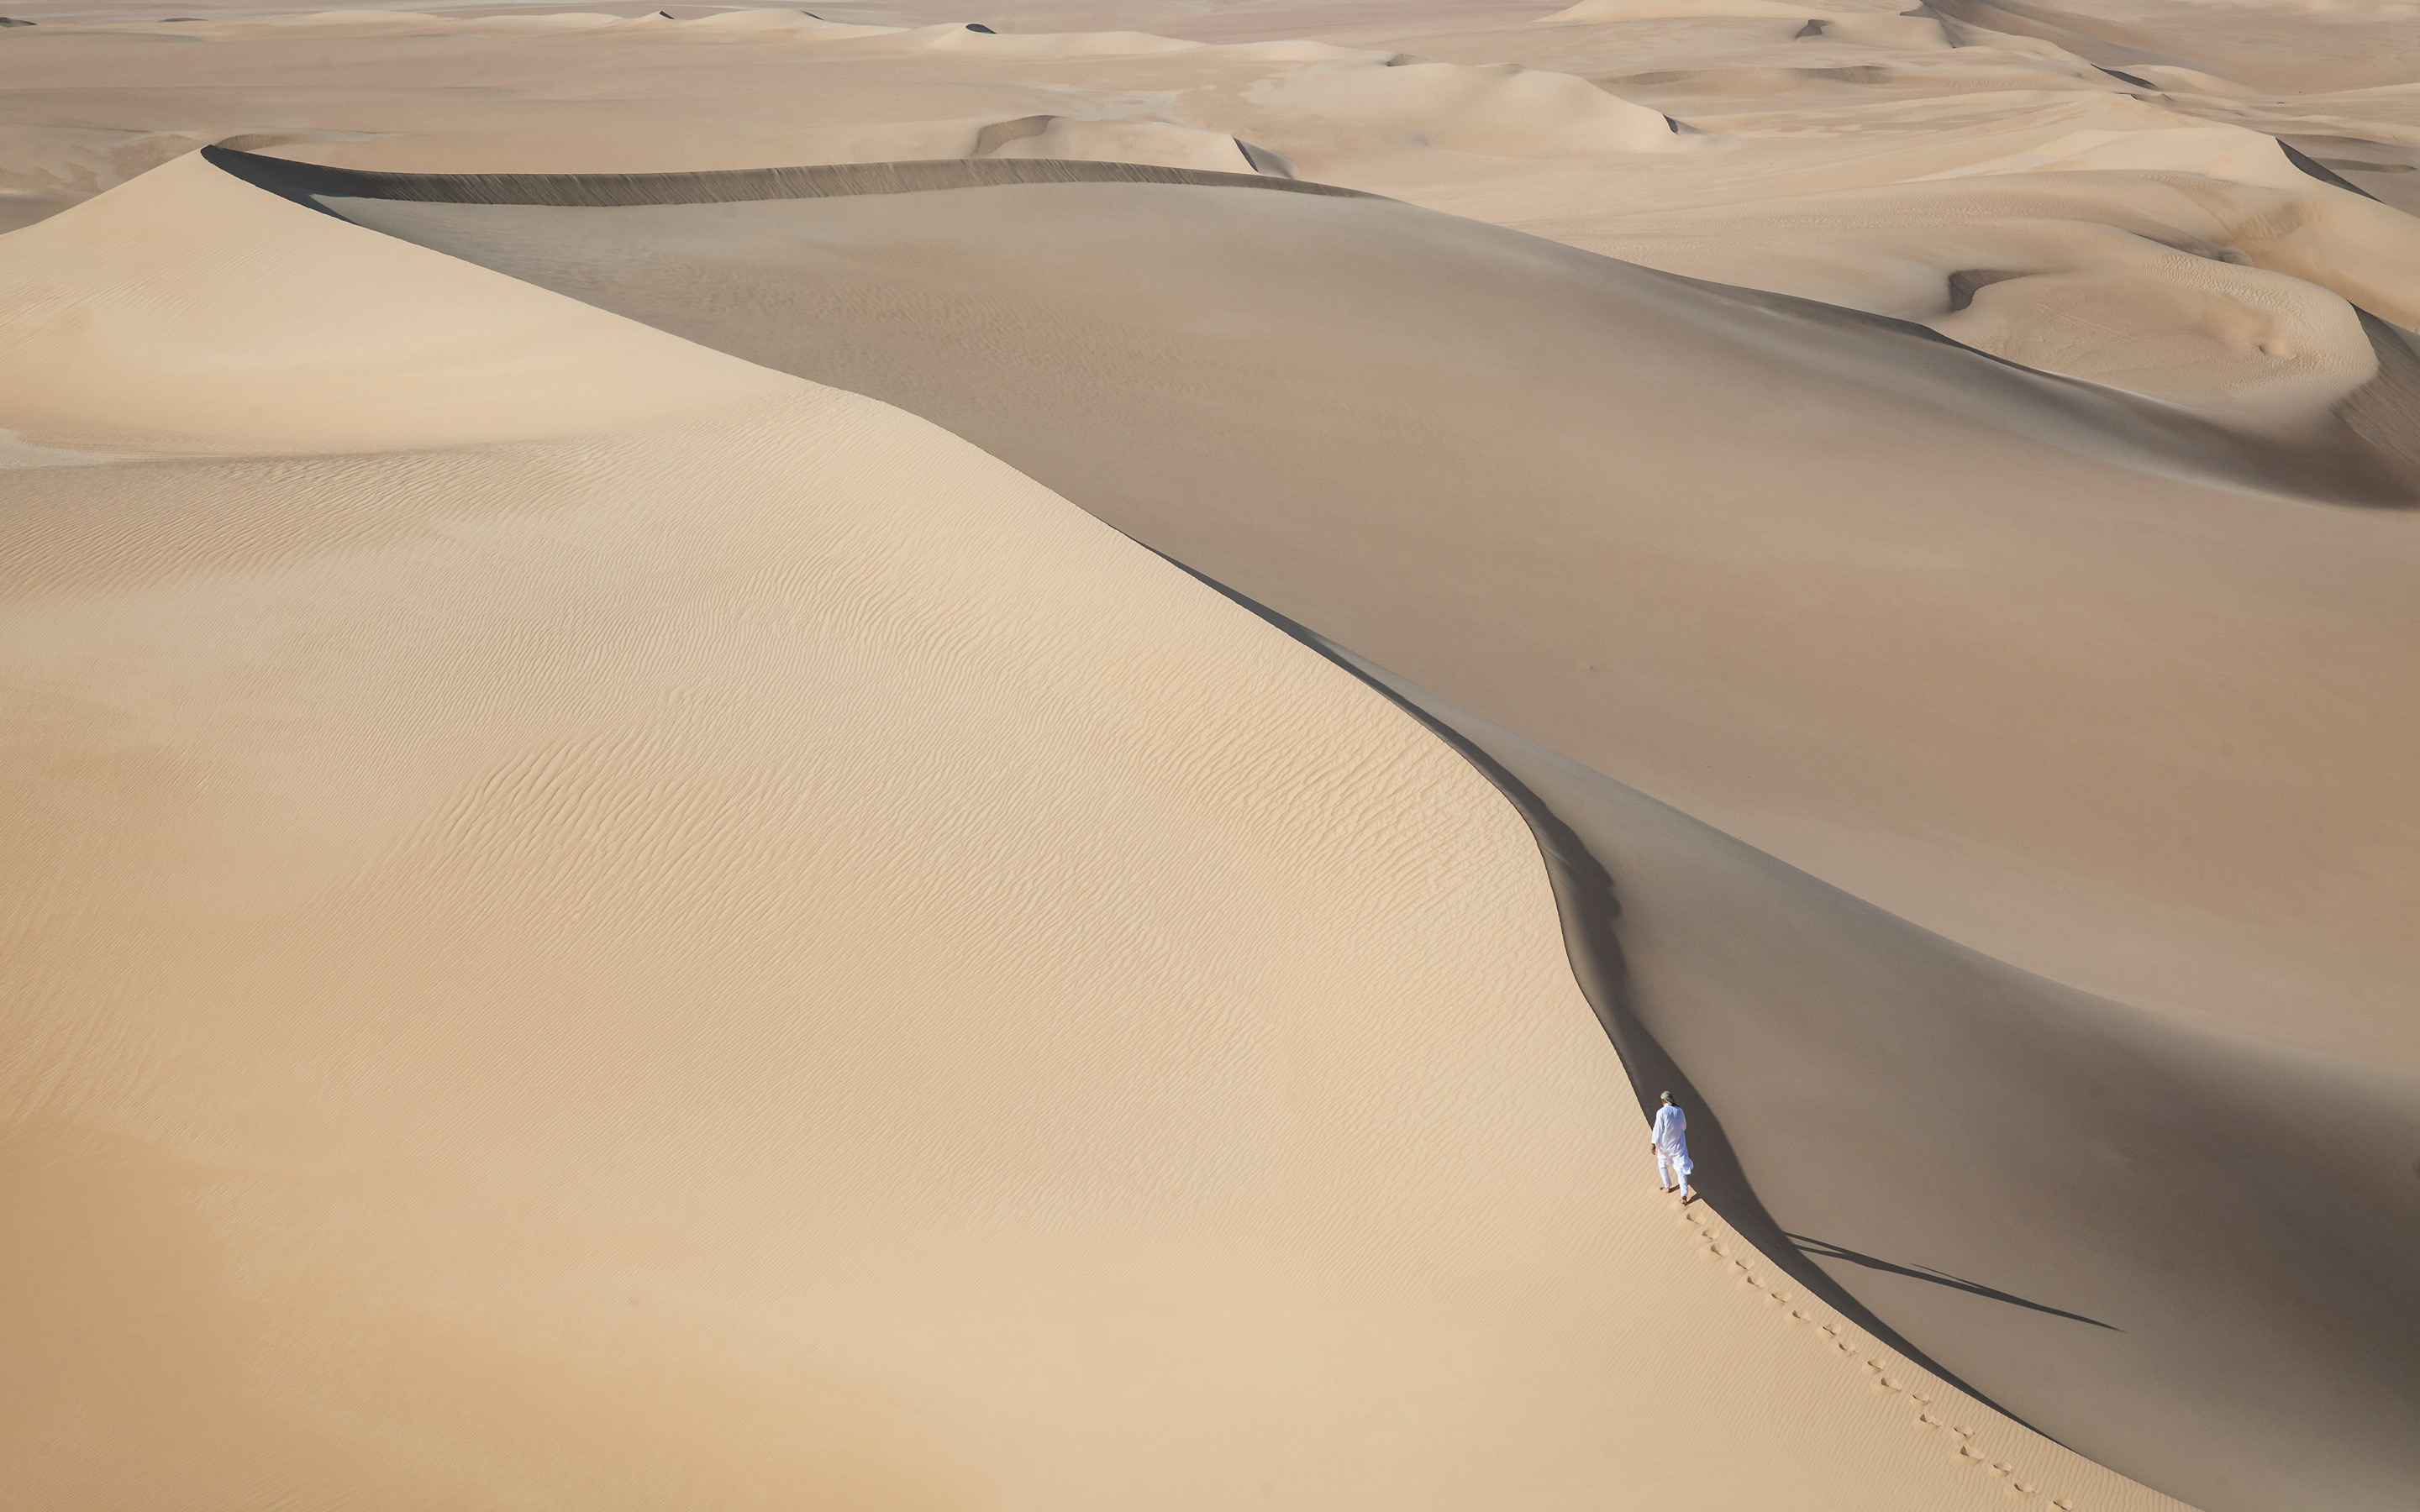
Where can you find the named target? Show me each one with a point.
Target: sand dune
(763, 956)
(1798, 149)
(595, 920)
(2287, 47)
(482, 361)
(1578, 589)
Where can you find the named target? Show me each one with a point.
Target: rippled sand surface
(901, 760)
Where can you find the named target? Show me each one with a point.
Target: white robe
(1671, 1132)
(1672, 1164)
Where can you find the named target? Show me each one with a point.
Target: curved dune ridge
(739, 185)
(1549, 493)
(760, 957)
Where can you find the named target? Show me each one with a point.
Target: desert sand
(761, 759)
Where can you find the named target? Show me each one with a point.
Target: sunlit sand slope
(2136, 696)
(752, 957)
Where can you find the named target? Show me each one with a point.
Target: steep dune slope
(2136, 705)
(756, 958)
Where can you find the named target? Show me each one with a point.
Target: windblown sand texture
(768, 760)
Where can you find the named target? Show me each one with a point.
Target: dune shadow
(308, 184)
(1825, 1249)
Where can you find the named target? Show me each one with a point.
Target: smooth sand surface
(1606, 588)
(764, 958)
(595, 924)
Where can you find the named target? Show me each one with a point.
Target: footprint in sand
(1885, 1387)
(2002, 1469)
(1830, 1330)
(2064, 1505)
(1920, 1398)
(1800, 1315)
(1927, 1421)
(1871, 1367)
(1775, 1298)
(2024, 1487)
(1965, 1454)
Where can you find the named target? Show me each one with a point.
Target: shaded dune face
(1549, 498)
(838, 180)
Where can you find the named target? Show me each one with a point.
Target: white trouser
(1672, 1167)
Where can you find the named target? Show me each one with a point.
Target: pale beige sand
(2156, 251)
(2141, 230)
(1889, 1095)
(530, 696)
(761, 958)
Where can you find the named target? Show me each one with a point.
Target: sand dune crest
(193, 355)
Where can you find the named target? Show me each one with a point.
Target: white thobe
(1671, 1136)
(1671, 1131)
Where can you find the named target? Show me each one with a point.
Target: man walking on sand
(1670, 1142)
